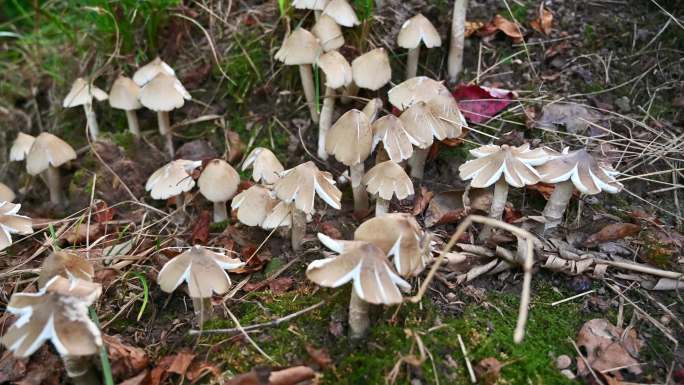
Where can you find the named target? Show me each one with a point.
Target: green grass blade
(104, 359)
(146, 294)
(282, 5)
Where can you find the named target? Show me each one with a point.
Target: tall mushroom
(47, 153)
(385, 180)
(572, 169)
(82, 94)
(12, 223)
(6, 193)
(338, 74)
(371, 71)
(414, 31)
(147, 72)
(342, 12)
(124, 95)
(218, 182)
(455, 60)
(173, 179)
(21, 147)
(253, 205)
(266, 167)
(329, 33)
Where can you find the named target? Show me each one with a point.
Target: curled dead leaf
(543, 22)
(612, 232)
(608, 349)
(500, 23)
(127, 361)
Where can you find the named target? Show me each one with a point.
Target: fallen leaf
(488, 370)
(545, 189)
(575, 117)
(320, 356)
(421, 201)
(446, 207)
(200, 229)
(329, 229)
(472, 26)
(556, 49)
(511, 215)
(500, 23)
(102, 212)
(160, 371)
(126, 361)
(606, 347)
(82, 232)
(181, 362)
(543, 22)
(234, 145)
(612, 232)
(253, 261)
(280, 285)
(479, 104)
(263, 376)
(199, 370)
(140, 379)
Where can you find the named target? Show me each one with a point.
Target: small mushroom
(12, 223)
(147, 72)
(47, 153)
(6, 193)
(280, 216)
(266, 167)
(21, 147)
(124, 95)
(574, 169)
(415, 89)
(316, 5)
(372, 109)
(173, 179)
(253, 205)
(385, 180)
(328, 33)
(65, 264)
(371, 71)
(82, 94)
(218, 182)
(458, 22)
(338, 74)
(414, 31)
(396, 141)
(342, 12)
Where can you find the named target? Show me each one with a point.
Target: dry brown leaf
(543, 22)
(500, 23)
(181, 362)
(126, 361)
(608, 347)
(80, 233)
(235, 146)
(446, 207)
(263, 376)
(140, 379)
(200, 229)
(421, 200)
(199, 370)
(612, 232)
(102, 212)
(329, 229)
(471, 27)
(320, 356)
(489, 370)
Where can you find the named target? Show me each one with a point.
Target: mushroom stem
(381, 207)
(203, 309)
(417, 162)
(558, 202)
(298, 228)
(359, 321)
(165, 130)
(455, 60)
(93, 128)
(325, 121)
(317, 14)
(349, 92)
(306, 73)
(133, 124)
(80, 370)
(220, 212)
(412, 62)
(497, 208)
(359, 191)
(54, 185)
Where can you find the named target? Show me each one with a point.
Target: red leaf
(200, 230)
(329, 229)
(479, 104)
(612, 232)
(102, 212)
(181, 362)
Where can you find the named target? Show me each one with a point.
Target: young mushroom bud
(266, 167)
(338, 74)
(328, 33)
(172, 180)
(21, 147)
(6, 193)
(414, 31)
(82, 94)
(385, 180)
(12, 223)
(342, 12)
(47, 153)
(124, 95)
(218, 183)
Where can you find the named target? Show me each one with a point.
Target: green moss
(218, 227)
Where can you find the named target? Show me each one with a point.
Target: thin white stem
(306, 73)
(165, 130)
(361, 203)
(557, 204)
(93, 128)
(325, 121)
(497, 208)
(133, 124)
(54, 185)
(455, 60)
(381, 207)
(220, 212)
(203, 310)
(412, 62)
(417, 162)
(359, 321)
(298, 228)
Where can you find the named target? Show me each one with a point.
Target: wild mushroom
(12, 223)
(374, 280)
(300, 185)
(301, 48)
(350, 140)
(21, 147)
(316, 5)
(574, 169)
(253, 205)
(205, 273)
(396, 141)
(371, 71)
(372, 109)
(342, 12)
(82, 94)
(67, 264)
(173, 179)
(266, 167)
(415, 89)
(280, 216)
(47, 153)
(6, 193)
(455, 59)
(57, 312)
(414, 31)
(147, 72)
(162, 94)
(328, 33)
(124, 95)
(338, 74)
(385, 180)
(218, 182)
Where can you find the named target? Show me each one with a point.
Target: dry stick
(471, 373)
(586, 363)
(641, 269)
(573, 297)
(244, 333)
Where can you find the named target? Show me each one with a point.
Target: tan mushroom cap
(12, 223)
(374, 279)
(421, 124)
(172, 179)
(396, 141)
(328, 33)
(316, 5)
(147, 72)
(280, 216)
(299, 47)
(302, 183)
(587, 174)
(372, 70)
(253, 205)
(218, 181)
(387, 179)
(202, 269)
(452, 121)
(48, 150)
(515, 163)
(265, 165)
(342, 12)
(337, 70)
(21, 147)
(417, 29)
(6, 193)
(59, 313)
(65, 264)
(416, 89)
(125, 94)
(350, 139)
(82, 93)
(164, 93)
(372, 109)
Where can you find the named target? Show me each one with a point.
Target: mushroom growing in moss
(12, 223)
(147, 72)
(385, 180)
(82, 94)
(47, 153)
(415, 31)
(218, 182)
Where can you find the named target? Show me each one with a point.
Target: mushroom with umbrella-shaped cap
(337, 75)
(172, 179)
(147, 72)
(396, 140)
(12, 223)
(218, 182)
(280, 216)
(415, 89)
(371, 70)
(82, 94)
(47, 153)
(6, 193)
(342, 12)
(21, 147)
(124, 95)
(385, 180)
(266, 167)
(414, 31)
(67, 264)
(578, 169)
(328, 33)
(253, 205)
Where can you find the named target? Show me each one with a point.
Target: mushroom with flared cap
(67, 264)
(456, 43)
(337, 75)
(578, 169)
(342, 12)
(253, 205)
(301, 48)
(218, 182)
(47, 153)
(280, 216)
(173, 179)
(162, 94)
(385, 180)
(374, 281)
(415, 89)
(414, 31)
(266, 167)
(371, 71)
(12, 223)
(396, 140)
(21, 147)
(6, 193)
(124, 95)
(82, 94)
(147, 72)
(328, 33)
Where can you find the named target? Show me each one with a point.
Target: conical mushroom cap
(172, 179)
(65, 264)
(125, 94)
(416, 89)
(451, 121)
(417, 29)
(586, 173)
(280, 216)
(265, 165)
(21, 147)
(421, 124)
(515, 163)
(299, 47)
(301, 184)
(82, 93)
(387, 179)
(59, 313)
(164, 93)
(218, 181)
(253, 205)
(316, 5)
(6, 193)
(372, 70)
(372, 109)
(341, 12)
(395, 139)
(12, 223)
(350, 139)
(48, 150)
(328, 33)
(202, 269)
(147, 72)
(337, 70)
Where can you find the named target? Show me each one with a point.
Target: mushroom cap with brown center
(6, 193)
(336, 68)
(21, 147)
(253, 205)
(218, 181)
(515, 163)
(302, 183)
(587, 174)
(172, 179)
(418, 29)
(328, 33)
(350, 139)
(265, 165)
(48, 150)
(164, 93)
(147, 72)
(416, 89)
(396, 141)
(82, 93)
(372, 109)
(387, 179)
(342, 12)
(299, 47)
(125, 94)
(372, 70)
(66, 264)
(12, 223)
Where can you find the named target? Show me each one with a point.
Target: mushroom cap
(449, 116)
(416, 89)
(417, 29)
(82, 93)
(163, 93)
(172, 179)
(125, 94)
(253, 205)
(218, 181)
(372, 70)
(587, 174)
(515, 163)
(337, 70)
(350, 139)
(58, 312)
(387, 179)
(65, 264)
(396, 141)
(6, 193)
(342, 12)
(301, 184)
(48, 150)
(316, 5)
(421, 124)
(372, 109)
(12, 223)
(299, 47)
(147, 72)
(21, 147)
(278, 217)
(328, 33)
(265, 165)
(202, 269)
(374, 279)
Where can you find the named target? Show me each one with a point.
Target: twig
(586, 363)
(573, 297)
(471, 372)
